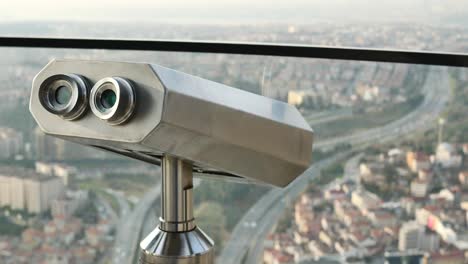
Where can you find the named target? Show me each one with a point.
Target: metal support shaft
(176, 199)
(177, 239)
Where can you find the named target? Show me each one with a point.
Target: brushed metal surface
(78, 101)
(192, 247)
(176, 195)
(176, 239)
(124, 105)
(216, 127)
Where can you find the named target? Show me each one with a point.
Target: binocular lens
(108, 99)
(65, 95)
(113, 100)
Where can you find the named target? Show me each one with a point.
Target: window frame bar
(246, 48)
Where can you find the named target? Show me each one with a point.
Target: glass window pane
(389, 167)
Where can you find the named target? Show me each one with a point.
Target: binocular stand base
(161, 247)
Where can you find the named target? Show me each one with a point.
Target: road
(129, 227)
(351, 168)
(105, 208)
(246, 243)
(124, 207)
(436, 91)
(327, 116)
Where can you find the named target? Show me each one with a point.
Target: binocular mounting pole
(177, 239)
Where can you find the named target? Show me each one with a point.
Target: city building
(4, 190)
(66, 206)
(274, 256)
(358, 224)
(62, 171)
(370, 168)
(11, 143)
(430, 241)
(41, 191)
(429, 217)
(410, 236)
(298, 97)
(417, 161)
(365, 200)
(23, 189)
(367, 92)
(303, 215)
(395, 155)
(464, 204)
(450, 257)
(334, 194)
(47, 147)
(419, 188)
(447, 156)
(465, 148)
(463, 178)
(17, 193)
(425, 175)
(32, 236)
(84, 254)
(381, 218)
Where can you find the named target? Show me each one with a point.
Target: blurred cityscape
(390, 181)
(389, 203)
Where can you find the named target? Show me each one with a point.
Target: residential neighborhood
(401, 203)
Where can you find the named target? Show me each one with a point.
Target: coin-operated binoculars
(181, 122)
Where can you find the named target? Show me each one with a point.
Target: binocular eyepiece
(65, 95)
(111, 99)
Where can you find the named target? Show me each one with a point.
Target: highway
(437, 95)
(105, 208)
(323, 117)
(124, 207)
(351, 168)
(245, 244)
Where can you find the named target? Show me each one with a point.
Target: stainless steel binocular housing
(183, 123)
(145, 111)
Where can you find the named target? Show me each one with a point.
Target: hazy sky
(160, 10)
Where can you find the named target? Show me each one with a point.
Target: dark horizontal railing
(267, 49)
